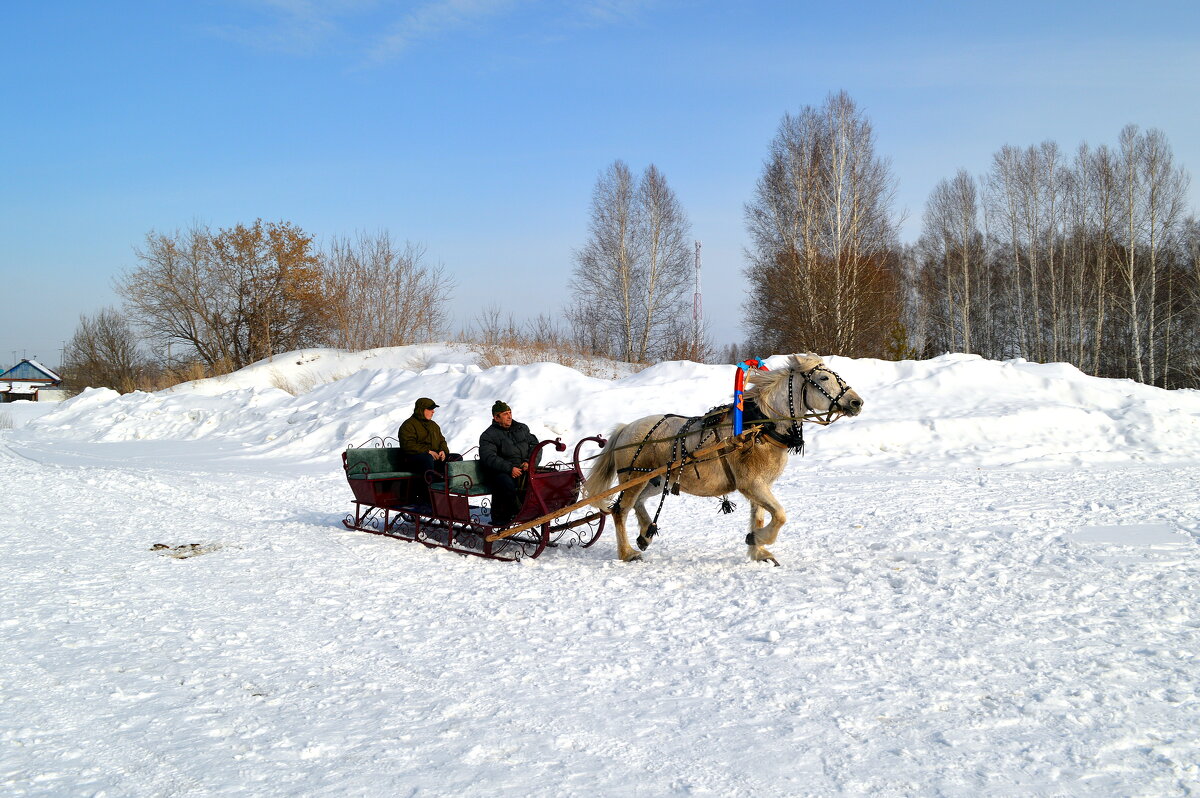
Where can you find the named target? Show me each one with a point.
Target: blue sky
(478, 127)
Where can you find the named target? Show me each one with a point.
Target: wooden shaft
(736, 442)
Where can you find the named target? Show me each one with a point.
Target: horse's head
(806, 386)
(825, 393)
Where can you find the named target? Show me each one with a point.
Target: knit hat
(425, 403)
(499, 408)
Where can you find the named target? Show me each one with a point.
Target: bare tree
(104, 353)
(662, 230)
(1166, 187)
(952, 252)
(1099, 174)
(631, 275)
(605, 276)
(1190, 266)
(172, 296)
(231, 297)
(823, 264)
(381, 294)
(1152, 195)
(1133, 224)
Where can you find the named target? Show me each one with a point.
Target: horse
(655, 441)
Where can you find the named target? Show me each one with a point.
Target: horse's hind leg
(624, 550)
(646, 530)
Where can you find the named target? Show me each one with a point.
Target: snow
(990, 585)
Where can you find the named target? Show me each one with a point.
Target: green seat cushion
(464, 478)
(380, 462)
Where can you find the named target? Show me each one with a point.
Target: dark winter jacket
(419, 435)
(503, 449)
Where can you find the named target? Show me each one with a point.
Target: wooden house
(31, 380)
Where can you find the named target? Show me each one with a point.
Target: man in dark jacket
(504, 450)
(422, 441)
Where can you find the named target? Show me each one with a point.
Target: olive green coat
(418, 435)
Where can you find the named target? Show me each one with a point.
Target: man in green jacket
(422, 441)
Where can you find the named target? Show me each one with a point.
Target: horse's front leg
(761, 532)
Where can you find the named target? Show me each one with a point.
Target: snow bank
(964, 409)
(951, 409)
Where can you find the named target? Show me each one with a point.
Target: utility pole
(697, 311)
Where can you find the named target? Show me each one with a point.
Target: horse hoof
(635, 557)
(762, 555)
(642, 543)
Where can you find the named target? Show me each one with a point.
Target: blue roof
(30, 370)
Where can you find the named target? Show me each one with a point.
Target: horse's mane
(766, 385)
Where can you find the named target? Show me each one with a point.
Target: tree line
(1089, 258)
(202, 302)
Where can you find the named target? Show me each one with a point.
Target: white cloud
(291, 26)
(383, 30)
(434, 19)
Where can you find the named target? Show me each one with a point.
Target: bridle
(835, 410)
(793, 438)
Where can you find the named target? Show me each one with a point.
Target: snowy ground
(990, 586)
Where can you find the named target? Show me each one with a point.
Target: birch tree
(1165, 189)
(632, 273)
(1083, 261)
(605, 278)
(1190, 249)
(952, 251)
(663, 276)
(823, 261)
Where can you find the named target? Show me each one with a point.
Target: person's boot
(502, 510)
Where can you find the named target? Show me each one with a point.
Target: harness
(792, 438)
(679, 453)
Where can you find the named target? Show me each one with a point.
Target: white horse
(780, 400)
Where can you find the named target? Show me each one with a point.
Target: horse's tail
(604, 470)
